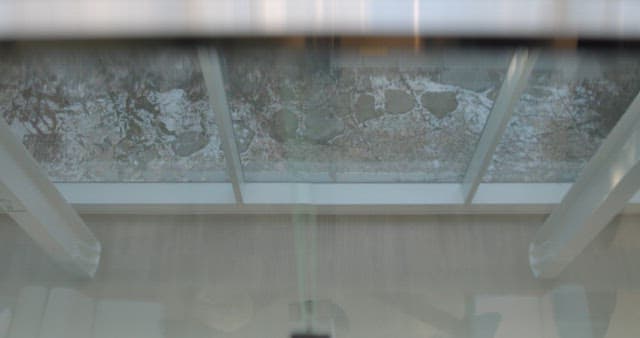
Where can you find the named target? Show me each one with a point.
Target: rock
(283, 125)
(342, 104)
(189, 142)
(398, 102)
(365, 108)
(320, 94)
(439, 103)
(243, 135)
(321, 127)
(321, 106)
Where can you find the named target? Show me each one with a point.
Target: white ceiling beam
(38, 208)
(214, 80)
(514, 83)
(602, 190)
(460, 18)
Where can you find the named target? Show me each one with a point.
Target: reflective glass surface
(572, 101)
(352, 276)
(307, 110)
(98, 112)
(359, 111)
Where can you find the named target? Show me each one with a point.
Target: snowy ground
(112, 114)
(97, 113)
(316, 119)
(569, 107)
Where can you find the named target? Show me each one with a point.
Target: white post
(601, 191)
(514, 83)
(212, 72)
(37, 206)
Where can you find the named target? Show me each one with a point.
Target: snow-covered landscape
(110, 113)
(96, 113)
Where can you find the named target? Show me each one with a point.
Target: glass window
(300, 258)
(359, 111)
(111, 112)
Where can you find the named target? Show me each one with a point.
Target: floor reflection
(237, 276)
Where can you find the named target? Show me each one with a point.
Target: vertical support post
(214, 81)
(602, 190)
(512, 87)
(35, 204)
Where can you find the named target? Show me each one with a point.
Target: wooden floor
(369, 276)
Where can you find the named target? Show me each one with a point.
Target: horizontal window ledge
(328, 198)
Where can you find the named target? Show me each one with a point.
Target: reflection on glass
(343, 111)
(572, 101)
(101, 112)
(361, 276)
